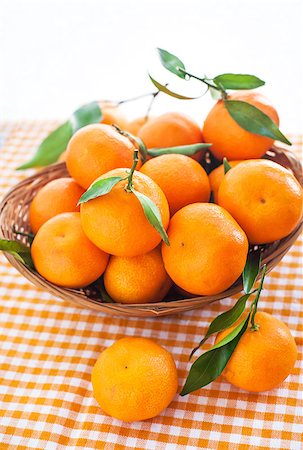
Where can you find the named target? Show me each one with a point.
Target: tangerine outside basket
(14, 210)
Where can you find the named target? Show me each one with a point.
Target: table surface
(48, 348)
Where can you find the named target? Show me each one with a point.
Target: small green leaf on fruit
(238, 81)
(171, 62)
(18, 250)
(251, 270)
(152, 214)
(99, 188)
(224, 320)
(167, 91)
(254, 120)
(211, 364)
(226, 165)
(188, 150)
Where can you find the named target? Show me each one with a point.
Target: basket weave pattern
(14, 217)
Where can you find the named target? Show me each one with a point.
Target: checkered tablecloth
(48, 349)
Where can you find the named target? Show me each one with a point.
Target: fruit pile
(124, 197)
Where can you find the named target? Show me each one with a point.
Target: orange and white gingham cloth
(48, 349)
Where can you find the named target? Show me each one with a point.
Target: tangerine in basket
(216, 176)
(57, 196)
(264, 357)
(264, 198)
(207, 251)
(134, 379)
(116, 222)
(170, 130)
(63, 254)
(137, 279)
(96, 149)
(228, 138)
(180, 177)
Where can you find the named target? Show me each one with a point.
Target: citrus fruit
(112, 114)
(216, 176)
(207, 251)
(96, 149)
(263, 357)
(63, 254)
(134, 379)
(264, 198)
(116, 223)
(137, 279)
(135, 125)
(181, 178)
(170, 130)
(228, 138)
(57, 196)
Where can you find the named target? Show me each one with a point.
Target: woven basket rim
(272, 253)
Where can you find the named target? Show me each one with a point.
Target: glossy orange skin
(170, 130)
(180, 177)
(216, 176)
(137, 279)
(264, 358)
(264, 198)
(57, 196)
(116, 222)
(207, 251)
(63, 254)
(134, 379)
(96, 149)
(228, 138)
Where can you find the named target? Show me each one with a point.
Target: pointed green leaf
(215, 94)
(238, 81)
(51, 148)
(87, 114)
(18, 250)
(188, 150)
(224, 320)
(167, 91)
(99, 188)
(226, 165)
(254, 120)
(212, 363)
(56, 142)
(171, 62)
(152, 214)
(251, 270)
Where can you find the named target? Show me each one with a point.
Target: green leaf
(187, 150)
(51, 148)
(224, 320)
(226, 165)
(254, 120)
(152, 214)
(87, 114)
(171, 62)
(18, 250)
(164, 89)
(99, 188)
(56, 142)
(238, 81)
(212, 363)
(251, 270)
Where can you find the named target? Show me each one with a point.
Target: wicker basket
(14, 217)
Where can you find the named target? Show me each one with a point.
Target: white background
(58, 54)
